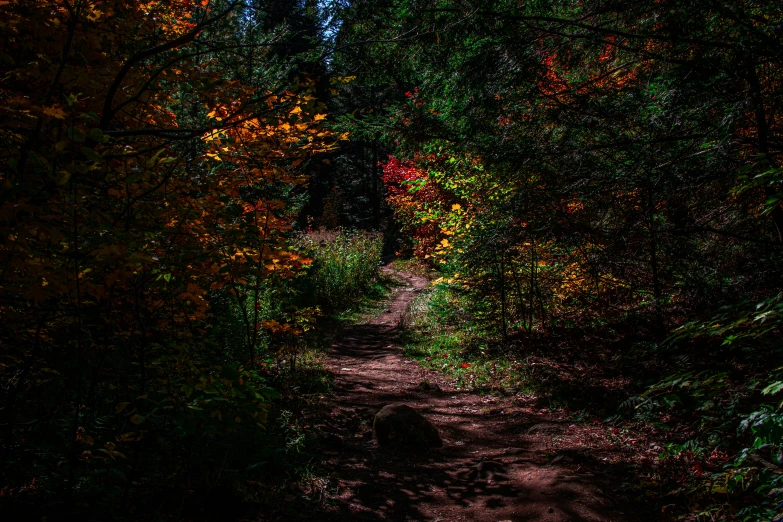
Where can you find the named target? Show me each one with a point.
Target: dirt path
(496, 463)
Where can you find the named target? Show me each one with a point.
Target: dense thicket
(611, 168)
(627, 143)
(152, 159)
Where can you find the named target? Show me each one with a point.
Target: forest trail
(496, 463)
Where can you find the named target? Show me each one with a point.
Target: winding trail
(496, 463)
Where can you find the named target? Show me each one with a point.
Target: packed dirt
(498, 461)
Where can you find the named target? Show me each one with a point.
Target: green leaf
(75, 134)
(773, 388)
(63, 177)
(91, 155)
(152, 160)
(97, 135)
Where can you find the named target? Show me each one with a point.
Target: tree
(614, 133)
(152, 155)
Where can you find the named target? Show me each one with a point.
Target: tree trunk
(656, 281)
(762, 135)
(376, 197)
(502, 273)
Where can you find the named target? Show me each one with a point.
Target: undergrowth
(221, 429)
(345, 267)
(346, 263)
(437, 335)
(703, 432)
(373, 301)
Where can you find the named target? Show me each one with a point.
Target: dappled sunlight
(497, 461)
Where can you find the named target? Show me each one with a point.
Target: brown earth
(503, 458)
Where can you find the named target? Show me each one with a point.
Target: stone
(401, 426)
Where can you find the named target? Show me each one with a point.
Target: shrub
(345, 264)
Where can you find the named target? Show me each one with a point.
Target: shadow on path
(492, 467)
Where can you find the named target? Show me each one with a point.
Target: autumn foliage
(611, 172)
(418, 203)
(143, 179)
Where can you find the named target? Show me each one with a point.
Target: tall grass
(345, 265)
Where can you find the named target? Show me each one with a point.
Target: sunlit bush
(345, 264)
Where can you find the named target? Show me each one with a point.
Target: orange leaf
(55, 112)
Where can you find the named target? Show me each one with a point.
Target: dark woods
(595, 181)
(600, 185)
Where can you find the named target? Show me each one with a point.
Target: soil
(503, 457)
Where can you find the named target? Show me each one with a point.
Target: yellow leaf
(63, 177)
(82, 437)
(112, 454)
(127, 437)
(270, 324)
(55, 112)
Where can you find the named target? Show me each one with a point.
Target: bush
(345, 264)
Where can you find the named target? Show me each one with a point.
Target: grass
(372, 303)
(440, 339)
(413, 266)
(344, 269)
(345, 284)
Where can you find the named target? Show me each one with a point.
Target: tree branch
(108, 112)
